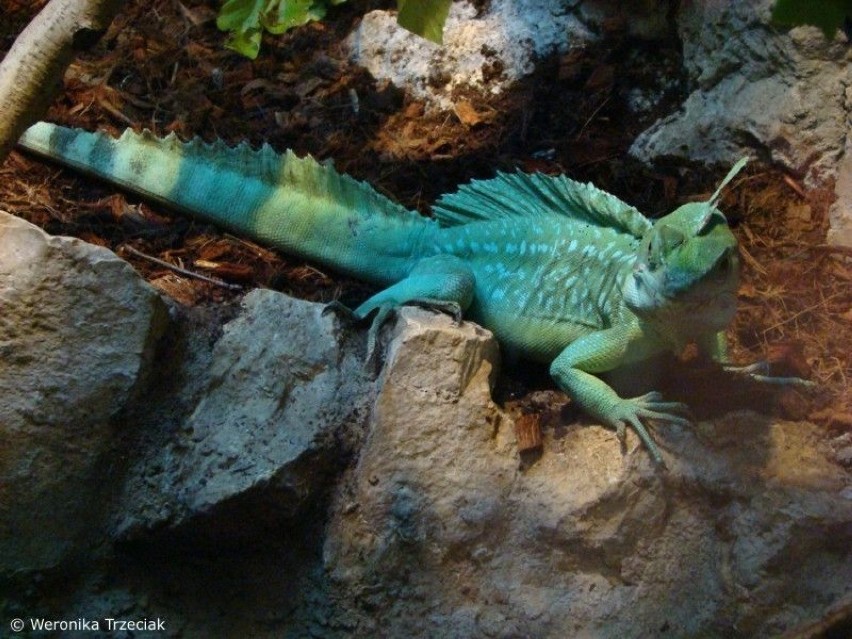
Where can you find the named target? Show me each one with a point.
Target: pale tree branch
(31, 73)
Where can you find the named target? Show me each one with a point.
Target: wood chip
(528, 432)
(466, 113)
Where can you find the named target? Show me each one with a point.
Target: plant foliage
(246, 20)
(424, 17)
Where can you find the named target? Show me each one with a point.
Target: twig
(798, 314)
(592, 116)
(31, 73)
(181, 270)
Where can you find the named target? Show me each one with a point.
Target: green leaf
(426, 18)
(245, 20)
(828, 15)
(292, 13)
(242, 19)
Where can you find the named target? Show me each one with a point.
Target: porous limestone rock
(758, 88)
(434, 526)
(486, 50)
(281, 391)
(439, 531)
(78, 329)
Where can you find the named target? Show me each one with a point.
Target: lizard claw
(651, 406)
(383, 314)
(783, 381)
(630, 412)
(387, 311)
(758, 372)
(348, 316)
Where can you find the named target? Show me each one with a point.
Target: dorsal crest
(538, 195)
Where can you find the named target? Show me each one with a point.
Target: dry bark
(31, 73)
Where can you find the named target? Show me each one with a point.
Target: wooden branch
(31, 73)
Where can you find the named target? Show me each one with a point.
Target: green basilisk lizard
(559, 271)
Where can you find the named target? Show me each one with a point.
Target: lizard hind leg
(442, 282)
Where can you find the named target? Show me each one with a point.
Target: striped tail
(294, 204)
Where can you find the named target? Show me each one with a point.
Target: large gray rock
(433, 412)
(438, 531)
(486, 50)
(77, 331)
(436, 528)
(756, 87)
(282, 391)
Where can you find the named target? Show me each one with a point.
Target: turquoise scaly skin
(560, 271)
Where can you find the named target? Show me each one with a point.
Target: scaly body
(560, 271)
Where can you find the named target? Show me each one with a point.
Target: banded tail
(294, 204)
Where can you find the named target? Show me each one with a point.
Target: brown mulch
(162, 66)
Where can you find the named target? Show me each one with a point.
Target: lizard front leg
(602, 351)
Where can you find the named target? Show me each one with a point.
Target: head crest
(714, 199)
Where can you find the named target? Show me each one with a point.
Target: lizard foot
(630, 412)
(387, 311)
(346, 315)
(383, 314)
(757, 371)
(351, 318)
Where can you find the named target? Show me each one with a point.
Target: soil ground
(163, 66)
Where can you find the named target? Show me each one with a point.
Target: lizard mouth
(712, 291)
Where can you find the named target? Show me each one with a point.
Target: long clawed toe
(650, 406)
(758, 371)
(383, 313)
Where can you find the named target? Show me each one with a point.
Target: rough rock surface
(757, 88)
(782, 94)
(77, 331)
(264, 418)
(439, 532)
(486, 50)
(265, 486)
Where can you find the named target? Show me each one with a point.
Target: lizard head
(687, 265)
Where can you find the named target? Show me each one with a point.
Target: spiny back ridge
(319, 179)
(538, 195)
(100, 154)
